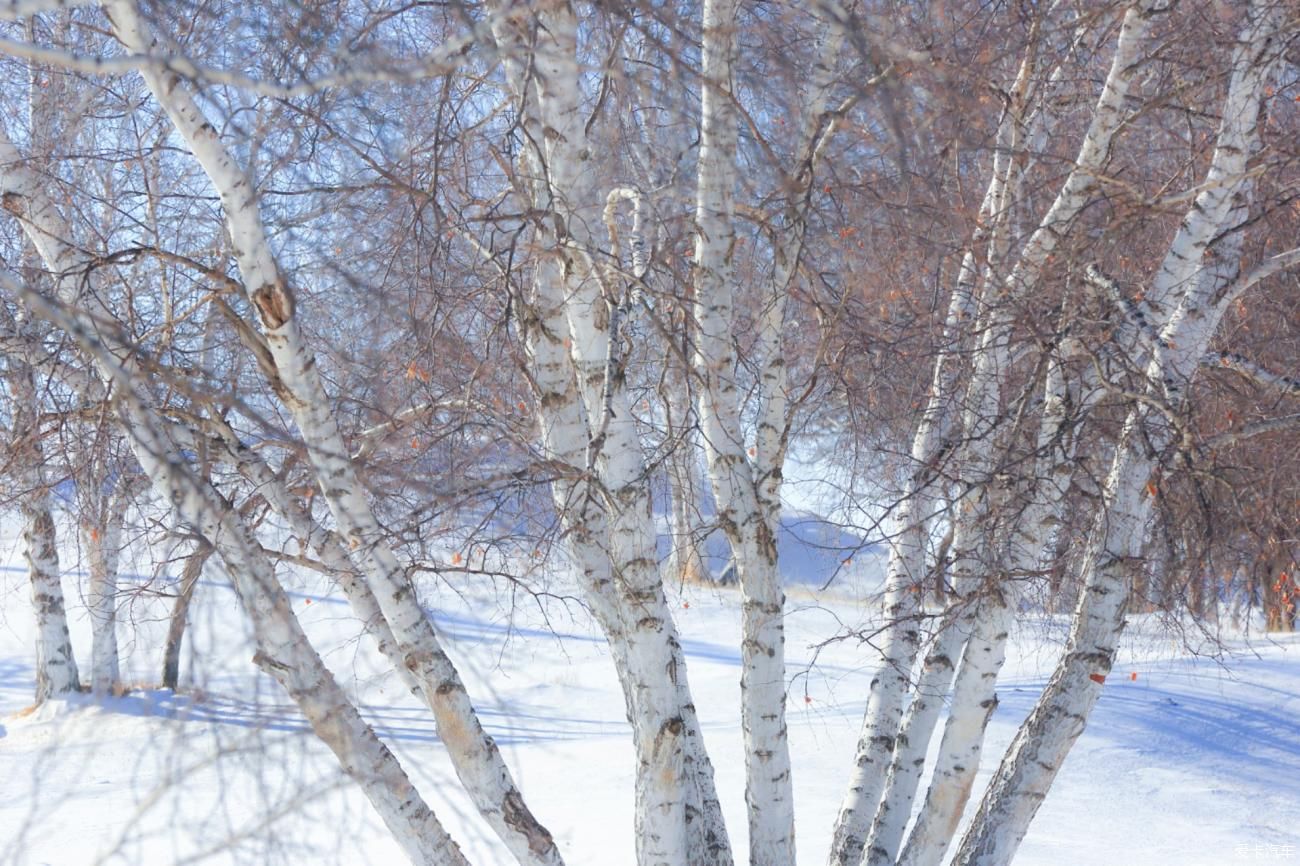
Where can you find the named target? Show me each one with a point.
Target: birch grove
(404, 295)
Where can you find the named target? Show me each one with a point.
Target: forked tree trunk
(584, 413)
(1183, 296)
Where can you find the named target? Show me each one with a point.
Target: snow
(1196, 761)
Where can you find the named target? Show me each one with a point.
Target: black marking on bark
(517, 816)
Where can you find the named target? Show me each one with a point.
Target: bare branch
(1288, 385)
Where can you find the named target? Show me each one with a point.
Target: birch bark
(768, 790)
(584, 412)
(748, 495)
(974, 696)
(56, 665)
(1185, 329)
(283, 649)
(475, 757)
(905, 573)
(905, 570)
(102, 541)
(980, 418)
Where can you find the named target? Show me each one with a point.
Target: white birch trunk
(906, 569)
(475, 757)
(286, 655)
(283, 649)
(102, 540)
(768, 788)
(56, 667)
(749, 494)
(974, 696)
(913, 739)
(978, 634)
(1058, 718)
(1185, 329)
(587, 424)
(989, 621)
(633, 615)
(224, 446)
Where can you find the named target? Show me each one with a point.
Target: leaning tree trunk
(905, 768)
(904, 581)
(981, 419)
(283, 650)
(1182, 296)
(475, 756)
(885, 768)
(974, 696)
(177, 620)
(224, 446)
(1036, 753)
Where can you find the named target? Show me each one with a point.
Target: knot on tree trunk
(12, 202)
(274, 304)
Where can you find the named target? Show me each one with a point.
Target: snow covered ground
(1196, 761)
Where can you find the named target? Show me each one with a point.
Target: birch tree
(572, 245)
(302, 674)
(56, 665)
(280, 637)
(973, 696)
(1188, 300)
(576, 308)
